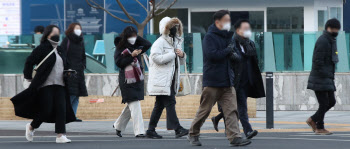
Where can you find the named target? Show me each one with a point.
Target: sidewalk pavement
(285, 121)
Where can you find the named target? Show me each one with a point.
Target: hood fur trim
(167, 23)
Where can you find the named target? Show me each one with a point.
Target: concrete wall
(290, 91)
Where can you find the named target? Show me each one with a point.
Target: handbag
(37, 66)
(185, 85)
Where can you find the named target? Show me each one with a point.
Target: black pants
(326, 101)
(167, 102)
(52, 103)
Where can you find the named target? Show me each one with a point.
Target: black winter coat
(323, 68)
(256, 87)
(217, 70)
(26, 103)
(134, 91)
(76, 59)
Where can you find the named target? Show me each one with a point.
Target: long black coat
(134, 91)
(76, 59)
(217, 70)
(323, 68)
(26, 103)
(256, 88)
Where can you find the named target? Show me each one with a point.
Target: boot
(311, 123)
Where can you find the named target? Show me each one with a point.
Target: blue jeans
(74, 100)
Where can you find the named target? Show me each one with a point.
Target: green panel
(197, 51)
(152, 39)
(109, 50)
(343, 64)
(89, 43)
(37, 38)
(269, 54)
(278, 43)
(94, 66)
(26, 39)
(309, 44)
(297, 62)
(12, 60)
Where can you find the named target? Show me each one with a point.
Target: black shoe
(194, 141)
(140, 136)
(153, 134)
(78, 120)
(181, 132)
(240, 142)
(215, 123)
(118, 132)
(252, 134)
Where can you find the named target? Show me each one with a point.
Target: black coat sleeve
(122, 61)
(84, 55)
(143, 42)
(33, 59)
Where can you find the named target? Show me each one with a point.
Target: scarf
(248, 45)
(53, 43)
(133, 71)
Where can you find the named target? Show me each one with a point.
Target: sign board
(10, 17)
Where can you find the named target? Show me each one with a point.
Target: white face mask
(132, 40)
(227, 26)
(247, 33)
(77, 32)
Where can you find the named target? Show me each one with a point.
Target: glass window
(286, 19)
(322, 18)
(182, 14)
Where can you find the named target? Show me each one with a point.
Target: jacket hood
(117, 40)
(213, 29)
(167, 23)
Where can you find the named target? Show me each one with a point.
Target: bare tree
(151, 13)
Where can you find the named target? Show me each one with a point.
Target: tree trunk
(140, 29)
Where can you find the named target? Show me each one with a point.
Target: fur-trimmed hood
(167, 23)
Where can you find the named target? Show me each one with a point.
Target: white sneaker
(29, 133)
(63, 139)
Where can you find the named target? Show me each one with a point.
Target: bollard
(269, 100)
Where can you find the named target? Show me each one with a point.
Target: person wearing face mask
(218, 81)
(129, 48)
(46, 98)
(248, 80)
(73, 45)
(164, 76)
(321, 79)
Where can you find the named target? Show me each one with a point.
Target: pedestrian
(73, 45)
(164, 75)
(129, 48)
(39, 29)
(321, 79)
(46, 99)
(218, 81)
(248, 80)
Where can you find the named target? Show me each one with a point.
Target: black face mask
(173, 31)
(334, 34)
(55, 38)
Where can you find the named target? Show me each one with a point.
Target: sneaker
(140, 136)
(29, 133)
(194, 140)
(312, 124)
(63, 139)
(240, 142)
(252, 134)
(215, 123)
(181, 132)
(322, 132)
(118, 132)
(153, 134)
(78, 120)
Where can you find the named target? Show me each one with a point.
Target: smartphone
(140, 47)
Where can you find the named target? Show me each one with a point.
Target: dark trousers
(167, 102)
(326, 101)
(52, 103)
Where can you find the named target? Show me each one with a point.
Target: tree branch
(97, 6)
(127, 13)
(165, 8)
(161, 2)
(150, 14)
(142, 5)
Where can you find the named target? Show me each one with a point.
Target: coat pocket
(161, 79)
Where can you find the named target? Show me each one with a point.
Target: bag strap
(146, 58)
(47, 56)
(67, 45)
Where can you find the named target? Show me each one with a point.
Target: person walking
(248, 80)
(46, 99)
(321, 79)
(73, 45)
(164, 76)
(129, 48)
(218, 81)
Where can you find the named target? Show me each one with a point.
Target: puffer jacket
(162, 59)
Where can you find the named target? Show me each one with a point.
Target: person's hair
(47, 32)
(219, 14)
(127, 32)
(332, 23)
(39, 29)
(239, 23)
(71, 28)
